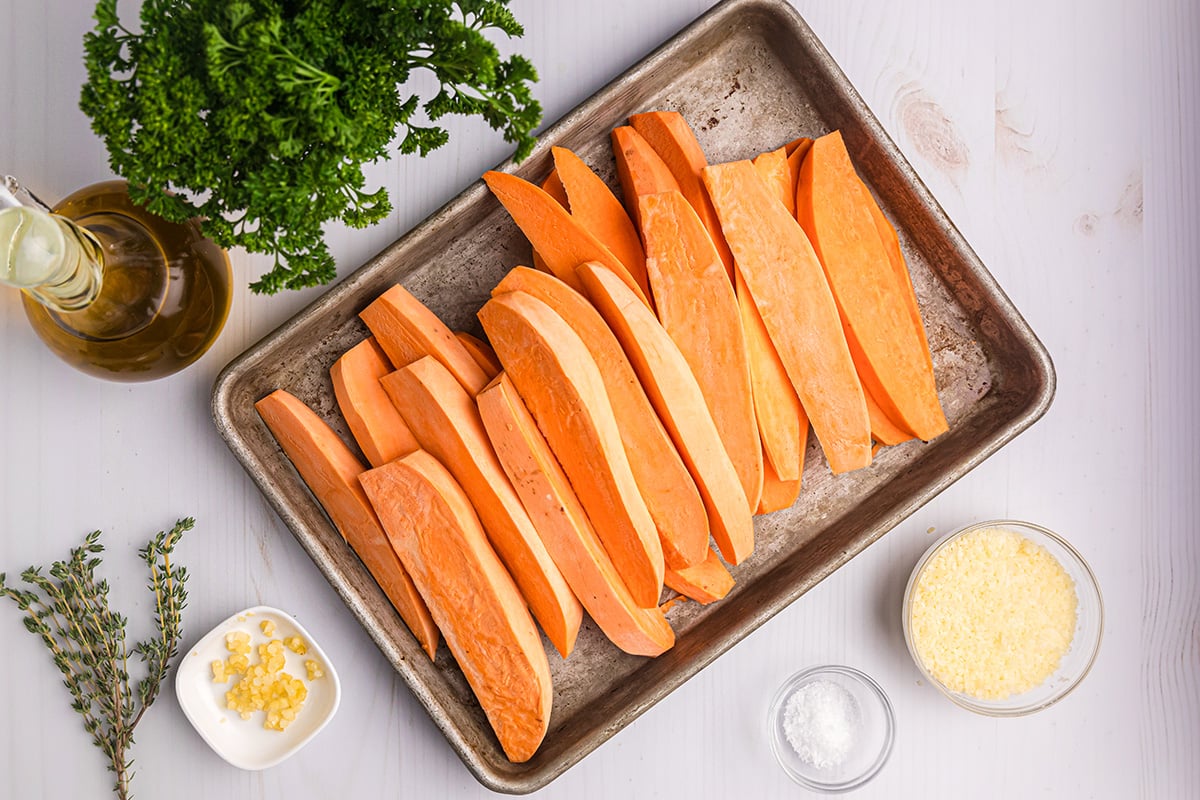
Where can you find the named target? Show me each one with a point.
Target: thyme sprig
(68, 609)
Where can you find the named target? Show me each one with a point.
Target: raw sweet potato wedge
(677, 397)
(446, 422)
(482, 352)
(560, 241)
(796, 149)
(782, 422)
(377, 426)
(668, 133)
(640, 169)
(791, 294)
(777, 494)
(433, 527)
(407, 330)
(773, 168)
(598, 210)
(331, 472)
(705, 582)
(697, 307)
(892, 359)
(553, 187)
(553, 371)
(564, 526)
(663, 480)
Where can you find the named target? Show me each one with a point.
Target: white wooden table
(1059, 136)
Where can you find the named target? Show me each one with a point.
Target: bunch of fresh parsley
(257, 116)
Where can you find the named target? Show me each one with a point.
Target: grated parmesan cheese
(992, 614)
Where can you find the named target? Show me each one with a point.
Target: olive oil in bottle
(112, 289)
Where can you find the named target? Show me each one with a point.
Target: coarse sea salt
(821, 721)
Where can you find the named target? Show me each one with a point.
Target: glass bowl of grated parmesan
(1004, 617)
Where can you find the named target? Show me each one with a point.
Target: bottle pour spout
(13, 193)
(54, 260)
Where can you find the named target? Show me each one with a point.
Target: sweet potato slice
(663, 480)
(796, 149)
(641, 169)
(598, 210)
(555, 374)
(705, 582)
(777, 494)
(892, 361)
(697, 307)
(564, 525)
(668, 133)
(782, 423)
(773, 168)
(407, 330)
(482, 352)
(446, 422)
(553, 187)
(377, 426)
(430, 522)
(884, 430)
(677, 397)
(891, 243)
(331, 472)
(560, 241)
(789, 289)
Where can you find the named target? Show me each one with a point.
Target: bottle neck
(54, 260)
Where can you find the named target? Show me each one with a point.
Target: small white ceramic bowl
(245, 743)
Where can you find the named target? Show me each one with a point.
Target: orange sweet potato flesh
(331, 472)
(777, 494)
(560, 241)
(431, 523)
(705, 582)
(789, 289)
(773, 168)
(446, 422)
(663, 480)
(668, 133)
(891, 243)
(883, 430)
(796, 149)
(553, 187)
(640, 168)
(892, 360)
(782, 421)
(677, 397)
(552, 369)
(564, 526)
(598, 210)
(377, 426)
(482, 352)
(407, 330)
(697, 307)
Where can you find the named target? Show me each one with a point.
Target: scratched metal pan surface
(749, 75)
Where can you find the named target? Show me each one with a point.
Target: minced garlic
(992, 614)
(264, 685)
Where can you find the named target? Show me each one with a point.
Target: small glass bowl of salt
(831, 728)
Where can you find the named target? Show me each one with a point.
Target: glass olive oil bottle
(112, 289)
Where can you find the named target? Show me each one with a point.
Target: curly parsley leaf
(258, 117)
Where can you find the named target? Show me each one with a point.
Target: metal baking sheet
(749, 75)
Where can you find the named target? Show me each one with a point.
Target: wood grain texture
(1060, 138)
